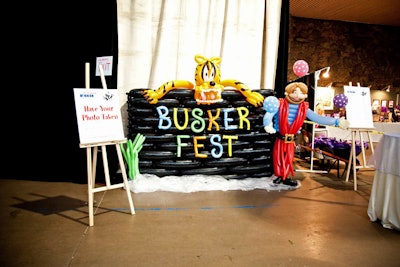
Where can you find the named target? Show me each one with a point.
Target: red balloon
(300, 68)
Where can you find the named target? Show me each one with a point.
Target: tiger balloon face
(207, 70)
(207, 77)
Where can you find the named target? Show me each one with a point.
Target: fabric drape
(158, 39)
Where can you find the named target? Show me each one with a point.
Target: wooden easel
(359, 115)
(353, 157)
(92, 162)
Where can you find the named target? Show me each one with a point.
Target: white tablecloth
(385, 127)
(384, 202)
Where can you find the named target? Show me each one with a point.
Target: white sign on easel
(106, 63)
(358, 109)
(98, 115)
(359, 115)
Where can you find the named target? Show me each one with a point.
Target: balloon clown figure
(284, 117)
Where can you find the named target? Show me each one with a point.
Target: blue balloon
(271, 104)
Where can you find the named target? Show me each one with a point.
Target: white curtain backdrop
(158, 39)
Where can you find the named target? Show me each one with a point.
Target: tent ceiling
(380, 12)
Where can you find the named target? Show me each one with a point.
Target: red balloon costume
(284, 117)
(284, 145)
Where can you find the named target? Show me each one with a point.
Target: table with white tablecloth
(384, 202)
(376, 132)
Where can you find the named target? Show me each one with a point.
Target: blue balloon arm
(312, 116)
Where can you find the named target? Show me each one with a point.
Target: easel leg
(363, 150)
(90, 184)
(370, 143)
(94, 165)
(353, 148)
(105, 165)
(125, 178)
(352, 160)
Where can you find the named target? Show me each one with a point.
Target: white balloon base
(195, 183)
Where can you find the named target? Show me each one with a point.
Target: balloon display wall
(184, 138)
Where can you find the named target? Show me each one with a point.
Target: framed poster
(324, 96)
(375, 104)
(98, 115)
(391, 104)
(384, 103)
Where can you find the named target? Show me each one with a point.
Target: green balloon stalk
(131, 155)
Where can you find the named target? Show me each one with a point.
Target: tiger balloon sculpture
(209, 87)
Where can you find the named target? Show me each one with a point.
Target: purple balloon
(340, 101)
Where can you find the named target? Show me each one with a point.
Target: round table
(384, 202)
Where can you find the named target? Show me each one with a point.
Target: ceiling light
(326, 73)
